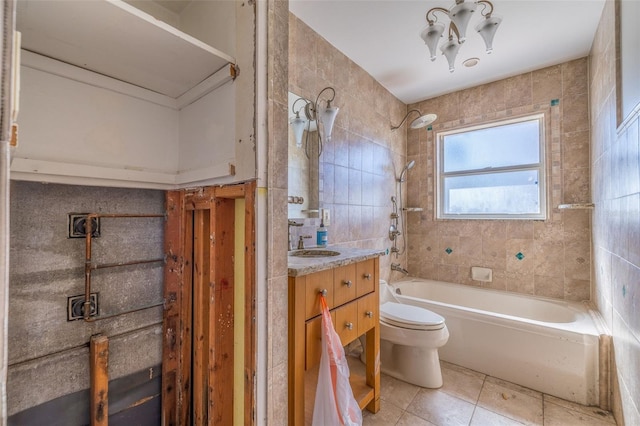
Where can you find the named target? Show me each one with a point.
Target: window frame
(540, 167)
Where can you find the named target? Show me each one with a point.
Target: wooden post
(198, 356)
(173, 359)
(250, 305)
(99, 350)
(221, 315)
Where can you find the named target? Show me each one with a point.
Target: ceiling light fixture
(421, 121)
(459, 15)
(471, 62)
(319, 111)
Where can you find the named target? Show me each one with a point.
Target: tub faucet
(397, 267)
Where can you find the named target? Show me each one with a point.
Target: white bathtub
(544, 344)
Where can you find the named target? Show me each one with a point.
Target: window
(493, 171)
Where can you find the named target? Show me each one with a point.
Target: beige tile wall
(277, 290)
(615, 161)
(361, 161)
(557, 251)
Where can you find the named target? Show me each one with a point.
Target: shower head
(421, 121)
(406, 168)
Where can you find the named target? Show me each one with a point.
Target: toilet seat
(410, 317)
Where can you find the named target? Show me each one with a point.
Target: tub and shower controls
(397, 267)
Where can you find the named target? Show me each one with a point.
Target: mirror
(304, 170)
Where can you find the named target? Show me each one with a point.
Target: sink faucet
(291, 223)
(301, 241)
(397, 267)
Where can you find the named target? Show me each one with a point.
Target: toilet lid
(408, 316)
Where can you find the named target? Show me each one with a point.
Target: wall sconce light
(418, 123)
(459, 15)
(321, 112)
(298, 123)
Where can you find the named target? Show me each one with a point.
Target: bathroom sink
(314, 253)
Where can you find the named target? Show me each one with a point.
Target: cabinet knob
(369, 314)
(348, 325)
(366, 276)
(323, 292)
(348, 283)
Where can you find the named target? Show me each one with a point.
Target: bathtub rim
(585, 322)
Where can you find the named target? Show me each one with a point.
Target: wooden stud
(99, 351)
(186, 321)
(249, 305)
(172, 330)
(233, 191)
(199, 247)
(221, 350)
(201, 315)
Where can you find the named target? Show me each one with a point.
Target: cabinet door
(368, 312)
(347, 322)
(315, 283)
(313, 340)
(365, 277)
(344, 284)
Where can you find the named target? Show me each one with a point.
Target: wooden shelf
(115, 39)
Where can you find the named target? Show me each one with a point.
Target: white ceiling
(383, 37)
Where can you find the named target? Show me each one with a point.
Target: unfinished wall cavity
(49, 355)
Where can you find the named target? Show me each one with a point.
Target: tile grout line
(475, 405)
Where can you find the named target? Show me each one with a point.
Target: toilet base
(417, 365)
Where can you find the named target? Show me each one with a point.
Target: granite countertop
(307, 265)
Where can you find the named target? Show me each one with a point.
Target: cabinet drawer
(347, 322)
(314, 284)
(344, 284)
(368, 312)
(365, 277)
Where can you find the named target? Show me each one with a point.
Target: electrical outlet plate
(75, 306)
(77, 227)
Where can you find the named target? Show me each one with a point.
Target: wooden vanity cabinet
(353, 299)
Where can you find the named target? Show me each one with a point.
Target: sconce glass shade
(487, 29)
(450, 51)
(298, 124)
(460, 15)
(431, 36)
(328, 117)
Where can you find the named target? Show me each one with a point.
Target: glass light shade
(328, 116)
(298, 124)
(431, 36)
(450, 51)
(460, 15)
(487, 29)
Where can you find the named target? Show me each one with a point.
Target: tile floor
(472, 398)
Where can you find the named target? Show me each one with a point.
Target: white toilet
(409, 340)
